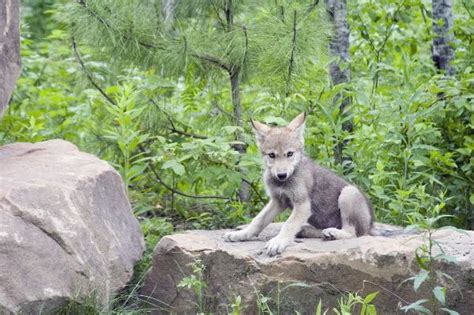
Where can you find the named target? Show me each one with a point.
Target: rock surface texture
(306, 272)
(9, 49)
(66, 228)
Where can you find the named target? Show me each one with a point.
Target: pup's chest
(288, 194)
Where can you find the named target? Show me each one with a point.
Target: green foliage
(196, 282)
(429, 256)
(236, 305)
(258, 39)
(125, 133)
(169, 124)
(349, 303)
(410, 148)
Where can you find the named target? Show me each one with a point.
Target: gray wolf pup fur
(323, 204)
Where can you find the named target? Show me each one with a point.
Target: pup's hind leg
(355, 215)
(309, 231)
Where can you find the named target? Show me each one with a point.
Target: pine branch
(216, 10)
(89, 74)
(229, 15)
(311, 8)
(206, 57)
(246, 49)
(172, 126)
(215, 61)
(282, 13)
(104, 22)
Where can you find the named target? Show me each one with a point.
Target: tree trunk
(339, 50)
(234, 76)
(443, 53)
(241, 148)
(9, 49)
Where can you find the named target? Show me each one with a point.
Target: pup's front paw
(277, 245)
(238, 236)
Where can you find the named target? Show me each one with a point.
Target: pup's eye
(289, 154)
(271, 155)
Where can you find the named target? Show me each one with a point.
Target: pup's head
(282, 147)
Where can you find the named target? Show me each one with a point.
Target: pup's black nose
(281, 176)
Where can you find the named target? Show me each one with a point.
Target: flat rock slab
(306, 272)
(67, 231)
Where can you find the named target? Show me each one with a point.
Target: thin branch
(88, 74)
(252, 185)
(311, 8)
(216, 10)
(423, 14)
(186, 134)
(364, 31)
(215, 61)
(444, 97)
(246, 50)
(467, 8)
(40, 74)
(222, 110)
(172, 126)
(229, 15)
(178, 192)
(386, 290)
(381, 48)
(292, 55)
(282, 13)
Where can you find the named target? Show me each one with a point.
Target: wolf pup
(323, 204)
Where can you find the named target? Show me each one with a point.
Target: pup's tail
(388, 230)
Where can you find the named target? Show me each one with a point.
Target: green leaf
(177, 167)
(440, 294)
(318, 308)
(450, 312)
(416, 306)
(439, 217)
(453, 228)
(419, 279)
(421, 261)
(369, 298)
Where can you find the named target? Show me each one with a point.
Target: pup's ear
(261, 130)
(297, 124)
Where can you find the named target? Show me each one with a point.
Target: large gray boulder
(9, 49)
(303, 274)
(67, 231)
